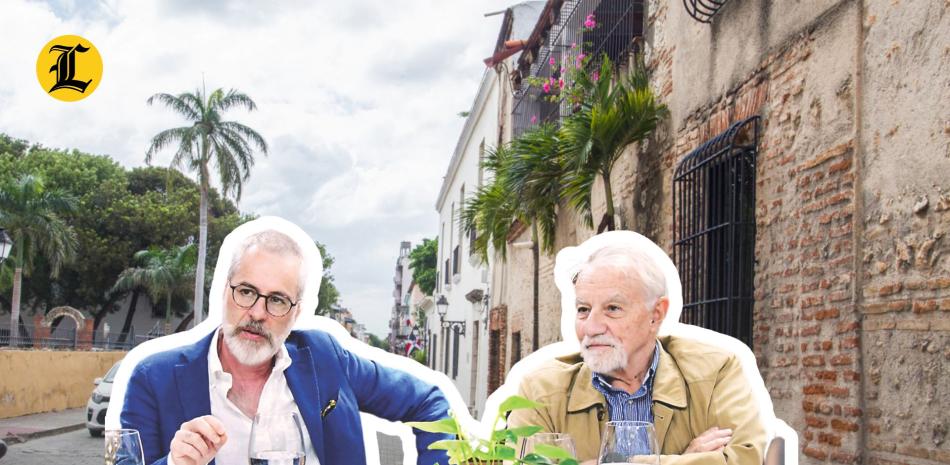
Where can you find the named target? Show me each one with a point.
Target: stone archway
(57, 312)
(43, 325)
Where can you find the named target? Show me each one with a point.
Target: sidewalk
(21, 429)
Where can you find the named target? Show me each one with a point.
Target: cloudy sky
(358, 99)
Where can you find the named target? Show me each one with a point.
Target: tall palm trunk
(202, 239)
(536, 256)
(202, 252)
(168, 312)
(127, 325)
(15, 303)
(608, 221)
(101, 315)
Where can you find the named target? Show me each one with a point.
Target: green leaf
(504, 453)
(517, 403)
(447, 444)
(536, 459)
(525, 431)
(502, 435)
(445, 425)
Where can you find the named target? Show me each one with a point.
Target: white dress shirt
(276, 397)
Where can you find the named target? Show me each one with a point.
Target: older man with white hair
(195, 403)
(695, 394)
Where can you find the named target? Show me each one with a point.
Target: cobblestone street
(73, 448)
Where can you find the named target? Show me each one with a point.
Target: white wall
(481, 130)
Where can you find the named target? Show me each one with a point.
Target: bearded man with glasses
(195, 404)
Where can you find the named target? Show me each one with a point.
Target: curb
(11, 439)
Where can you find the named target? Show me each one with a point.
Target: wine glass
(123, 447)
(629, 442)
(276, 439)
(562, 440)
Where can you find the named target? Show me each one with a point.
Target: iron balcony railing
(563, 33)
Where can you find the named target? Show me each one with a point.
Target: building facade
(401, 322)
(460, 345)
(800, 184)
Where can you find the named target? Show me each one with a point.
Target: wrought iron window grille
(703, 10)
(714, 230)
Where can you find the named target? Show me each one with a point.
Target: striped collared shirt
(625, 406)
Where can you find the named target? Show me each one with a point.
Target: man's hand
(712, 440)
(197, 441)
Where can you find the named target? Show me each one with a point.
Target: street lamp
(5, 245)
(442, 306)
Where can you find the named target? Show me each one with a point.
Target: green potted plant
(469, 449)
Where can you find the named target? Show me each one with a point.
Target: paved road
(74, 448)
(78, 448)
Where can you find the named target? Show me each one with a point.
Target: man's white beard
(249, 352)
(604, 361)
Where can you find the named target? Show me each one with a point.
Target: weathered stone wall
(905, 265)
(518, 296)
(35, 381)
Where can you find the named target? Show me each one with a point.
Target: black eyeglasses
(246, 296)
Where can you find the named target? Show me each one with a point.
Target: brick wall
(497, 346)
(852, 275)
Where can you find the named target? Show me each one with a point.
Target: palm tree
(208, 139)
(31, 215)
(611, 117)
(162, 273)
(526, 188)
(491, 211)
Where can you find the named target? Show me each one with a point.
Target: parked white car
(99, 402)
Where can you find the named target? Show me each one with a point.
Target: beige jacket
(697, 386)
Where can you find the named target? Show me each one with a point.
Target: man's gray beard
(249, 352)
(614, 359)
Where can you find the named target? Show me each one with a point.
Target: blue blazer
(169, 388)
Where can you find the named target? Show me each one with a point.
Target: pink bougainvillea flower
(534, 119)
(546, 87)
(589, 22)
(573, 44)
(595, 76)
(560, 83)
(551, 61)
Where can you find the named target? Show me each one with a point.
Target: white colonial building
(458, 338)
(457, 319)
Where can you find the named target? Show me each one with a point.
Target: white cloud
(357, 99)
